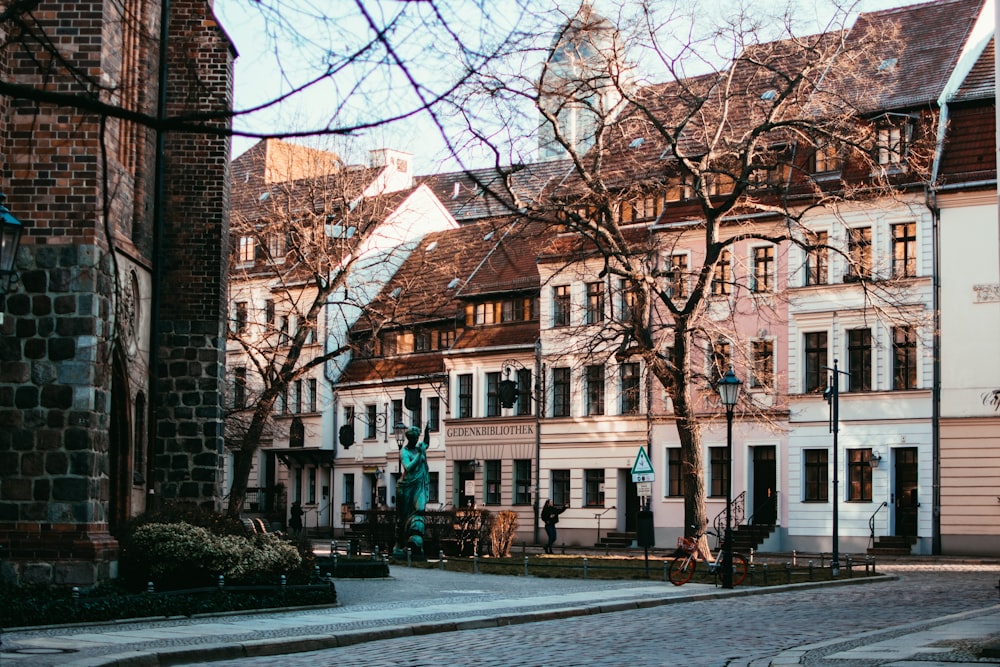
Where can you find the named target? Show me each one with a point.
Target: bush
(503, 528)
(180, 555)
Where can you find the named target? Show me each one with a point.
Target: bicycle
(683, 567)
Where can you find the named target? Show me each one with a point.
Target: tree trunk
(242, 465)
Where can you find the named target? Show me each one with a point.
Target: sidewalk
(414, 602)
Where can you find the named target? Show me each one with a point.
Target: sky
(283, 44)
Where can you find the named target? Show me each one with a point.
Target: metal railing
(871, 524)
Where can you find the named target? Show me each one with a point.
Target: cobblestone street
(709, 633)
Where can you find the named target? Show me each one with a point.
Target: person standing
(550, 517)
(295, 522)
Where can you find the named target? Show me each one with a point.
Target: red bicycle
(683, 567)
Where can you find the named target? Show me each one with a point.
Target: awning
(303, 456)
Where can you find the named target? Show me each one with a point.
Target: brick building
(110, 383)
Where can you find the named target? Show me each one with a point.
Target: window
(827, 159)
(446, 339)
(719, 467)
(722, 278)
(433, 490)
(560, 487)
(675, 476)
(815, 486)
(892, 143)
(464, 396)
(628, 296)
(677, 277)
(276, 247)
(282, 403)
(297, 397)
(240, 387)
(763, 269)
(595, 389)
(421, 341)
(389, 344)
(434, 413)
(816, 260)
(246, 250)
(721, 355)
(859, 360)
(904, 250)
(397, 413)
(629, 388)
(904, 358)
(417, 415)
(595, 303)
(814, 376)
(312, 485)
(269, 312)
(560, 306)
(311, 398)
(859, 474)
(371, 422)
(491, 483)
(485, 313)
(560, 392)
(593, 488)
(492, 395)
(240, 317)
(524, 403)
(522, 482)
(762, 352)
(348, 487)
(859, 254)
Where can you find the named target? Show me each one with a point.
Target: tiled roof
(981, 82)
(380, 369)
(497, 335)
(492, 192)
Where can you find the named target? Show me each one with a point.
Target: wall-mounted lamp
(875, 459)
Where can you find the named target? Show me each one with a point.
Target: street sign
(642, 469)
(645, 489)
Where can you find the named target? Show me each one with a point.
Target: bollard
(76, 596)
(753, 569)
(336, 558)
(850, 569)
(475, 563)
(222, 582)
(810, 570)
(333, 548)
(752, 553)
(666, 574)
(526, 566)
(788, 573)
(281, 582)
(765, 574)
(316, 571)
(409, 557)
(149, 587)
(441, 559)
(795, 557)
(584, 567)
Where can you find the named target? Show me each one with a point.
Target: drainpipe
(156, 272)
(539, 402)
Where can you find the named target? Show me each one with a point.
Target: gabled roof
(378, 369)
(980, 83)
(477, 194)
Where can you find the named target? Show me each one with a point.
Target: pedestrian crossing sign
(642, 469)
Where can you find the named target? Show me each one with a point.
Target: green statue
(412, 491)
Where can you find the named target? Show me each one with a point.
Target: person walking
(295, 522)
(550, 517)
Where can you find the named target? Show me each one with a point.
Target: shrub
(502, 531)
(179, 555)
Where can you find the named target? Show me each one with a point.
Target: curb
(305, 643)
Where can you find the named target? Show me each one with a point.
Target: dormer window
(892, 143)
(828, 159)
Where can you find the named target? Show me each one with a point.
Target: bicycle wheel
(740, 569)
(681, 570)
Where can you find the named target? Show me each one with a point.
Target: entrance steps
(614, 540)
(892, 545)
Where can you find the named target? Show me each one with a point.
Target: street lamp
(729, 392)
(399, 430)
(10, 238)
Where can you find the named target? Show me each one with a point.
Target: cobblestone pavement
(751, 631)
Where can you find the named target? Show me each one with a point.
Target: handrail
(871, 524)
(767, 504)
(738, 508)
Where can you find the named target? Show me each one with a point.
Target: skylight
(888, 65)
(769, 95)
(637, 142)
(431, 246)
(264, 196)
(454, 283)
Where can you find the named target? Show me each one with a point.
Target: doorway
(905, 498)
(764, 502)
(631, 503)
(465, 483)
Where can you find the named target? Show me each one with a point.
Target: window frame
(815, 358)
(859, 360)
(817, 261)
(719, 471)
(722, 276)
(904, 249)
(492, 482)
(859, 254)
(560, 486)
(764, 262)
(562, 379)
(593, 487)
(859, 474)
(595, 311)
(904, 358)
(595, 383)
(630, 394)
(521, 483)
(464, 396)
(762, 364)
(816, 475)
(561, 306)
(492, 394)
(675, 477)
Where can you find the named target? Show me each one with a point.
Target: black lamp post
(10, 238)
(729, 392)
(399, 430)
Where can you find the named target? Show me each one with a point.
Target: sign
(642, 469)
(645, 489)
